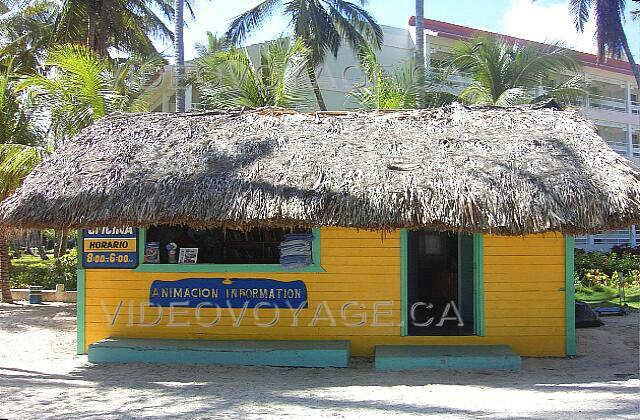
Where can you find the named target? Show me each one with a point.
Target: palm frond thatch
(510, 171)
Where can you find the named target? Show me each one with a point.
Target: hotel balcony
(613, 95)
(624, 139)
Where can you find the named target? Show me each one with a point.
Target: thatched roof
(509, 171)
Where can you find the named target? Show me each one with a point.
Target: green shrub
(584, 290)
(607, 263)
(33, 271)
(69, 269)
(599, 288)
(599, 268)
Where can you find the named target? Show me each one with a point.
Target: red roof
(453, 31)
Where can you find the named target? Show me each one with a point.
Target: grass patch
(599, 296)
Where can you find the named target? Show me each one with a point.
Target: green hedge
(33, 271)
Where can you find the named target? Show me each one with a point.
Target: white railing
(459, 81)
(605, 241)
(607, 103)
(197, 106)
(620, 146)
(616, 237)
(635, 107)
(582, 242)
(456, 82)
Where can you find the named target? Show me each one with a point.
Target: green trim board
(478, 284)
(465, 274)
(80, 307)
(403, 282)
(316, 267)
(446, 357)
(289, 353)
(569, 294)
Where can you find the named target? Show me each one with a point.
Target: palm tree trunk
(29, 241)
(316, 88)
(91, 24)
(5, 266)
(179, 54)
(63, 243)
(634, 66)
(16, 247)
(420, 51)
(41, 250)
(56, 244)
(420, 31)
(102, 31)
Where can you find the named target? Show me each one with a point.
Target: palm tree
(16, 161)
(101, 25)
(420, 55)
(610, 36)
(401, 87)
(322, 25)
(25, 34)
(17, 157)
(398, 89)
(178, 47)
(230, 78)
(123, 25)
(213, 45)
(84, 87)
(508, 74)
(179, 54)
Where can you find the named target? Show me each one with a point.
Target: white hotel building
(615, 110)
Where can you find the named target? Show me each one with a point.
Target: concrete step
(296, 353)
(446, 357)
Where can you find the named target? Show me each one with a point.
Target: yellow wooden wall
(523, 281)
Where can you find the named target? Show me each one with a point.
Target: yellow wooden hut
(428, 238)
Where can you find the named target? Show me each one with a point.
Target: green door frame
(80, 299)
(478, 284)
(569, 295)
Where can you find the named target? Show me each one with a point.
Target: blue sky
(543, 20)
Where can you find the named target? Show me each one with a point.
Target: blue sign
(110, 247)
(232, 293)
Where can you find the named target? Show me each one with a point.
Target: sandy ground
(40, 377)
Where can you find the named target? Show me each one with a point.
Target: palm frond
(252, 19)
(569, 92)
(506, 73)
(361, 20)
(82, 87)
(214, 43)
(129, 25)
(230, 79)
(580, 11)
(16, 162)
(394, 89)
(513, 97)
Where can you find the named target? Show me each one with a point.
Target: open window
(274, 249)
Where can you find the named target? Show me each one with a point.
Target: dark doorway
(439, 283)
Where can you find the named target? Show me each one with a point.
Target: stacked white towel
(295, 250)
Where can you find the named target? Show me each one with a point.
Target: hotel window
(165, 244)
